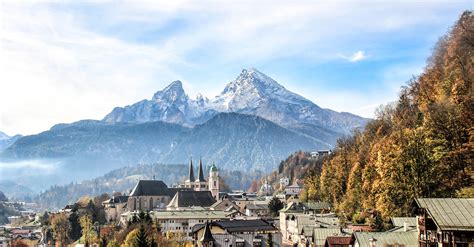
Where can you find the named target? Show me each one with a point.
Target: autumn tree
(61, 227)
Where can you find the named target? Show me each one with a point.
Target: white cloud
(356, 57)
(58, 65)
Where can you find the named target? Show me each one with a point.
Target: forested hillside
(420, 146)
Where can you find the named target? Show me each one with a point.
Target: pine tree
(275, 205)
(141, 240)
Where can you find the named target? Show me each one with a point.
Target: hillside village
(196, 212)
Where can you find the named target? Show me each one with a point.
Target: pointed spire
(207, 235)
(200, 172)
(191, 171)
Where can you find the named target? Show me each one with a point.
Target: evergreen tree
(275, 205)
(141, 239)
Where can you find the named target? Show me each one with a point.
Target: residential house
(445, 221)
(237, 233)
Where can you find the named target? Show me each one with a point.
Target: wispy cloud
(356, 57)
(65, 61)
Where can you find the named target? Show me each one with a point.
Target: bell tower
(214, 181)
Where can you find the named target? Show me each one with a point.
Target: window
(239, 244)
(215, 183)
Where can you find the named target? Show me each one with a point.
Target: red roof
(339, 240)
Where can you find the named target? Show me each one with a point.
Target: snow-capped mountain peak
(173, 93)
(252, 80)
(252, 92)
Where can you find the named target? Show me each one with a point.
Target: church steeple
(191, 171)
(200, 172)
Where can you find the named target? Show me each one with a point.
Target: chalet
(445, 221)
(238, 233)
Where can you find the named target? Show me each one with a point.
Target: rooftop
(150, 188)
(192, 198)
(190, 214)
(400, 221)
(232, 226)
(407, 239)
(450, 213)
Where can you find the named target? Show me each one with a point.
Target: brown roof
(339, 240)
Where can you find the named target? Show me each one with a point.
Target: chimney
(405, 226)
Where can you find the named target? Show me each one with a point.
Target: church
(155, 194)
(200, 183)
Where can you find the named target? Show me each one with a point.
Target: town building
(320, 154)
(114, 207)
(184, 221)
(257, 210)
(237, 233)
(266, 189)
(293, 191)
(445, 221)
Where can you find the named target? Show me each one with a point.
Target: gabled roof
(320, 235)
(407, 239)
(400, 221)
(151, 188)
(224, 203)
(189, 198)
(450, 213)
(340, 240)
(256, 206)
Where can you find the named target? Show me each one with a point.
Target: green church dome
(213, 168)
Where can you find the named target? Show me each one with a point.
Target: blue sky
(65, 61)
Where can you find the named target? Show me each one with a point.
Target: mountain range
(253, 93)
(252, 125)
